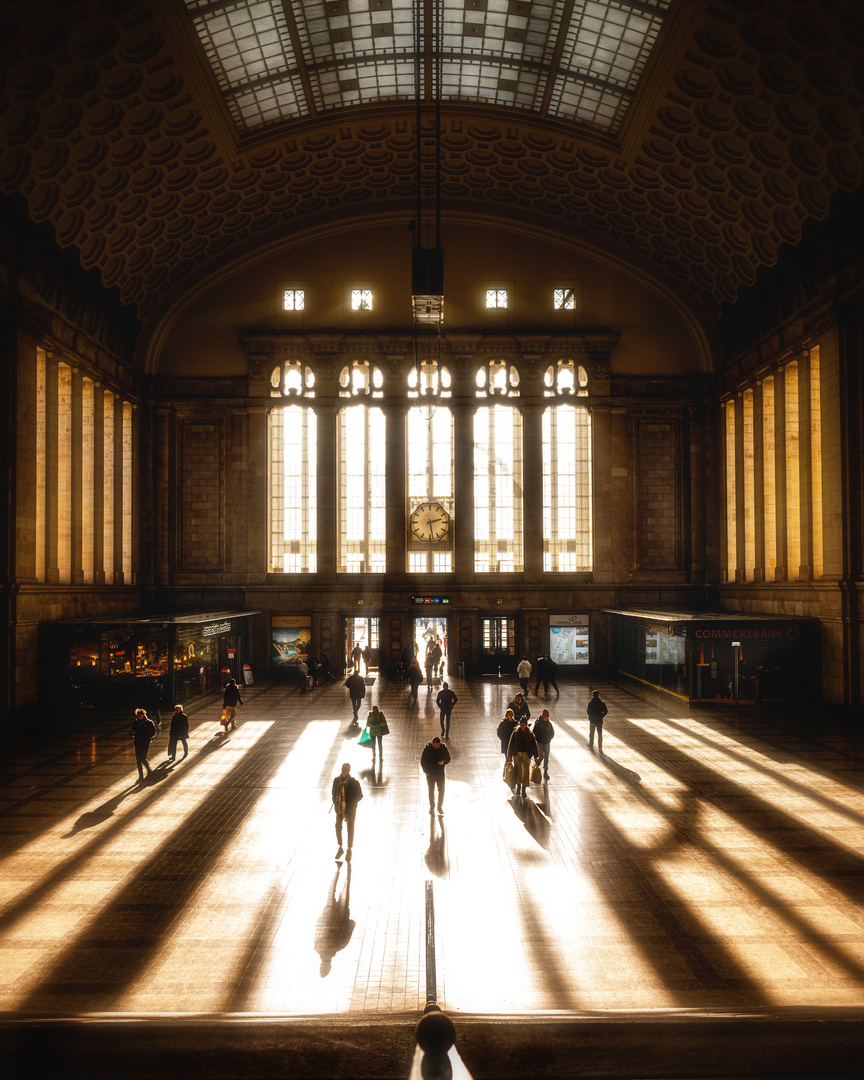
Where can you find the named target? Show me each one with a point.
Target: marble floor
(708, 859)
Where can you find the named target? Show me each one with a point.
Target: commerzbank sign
(792, 633)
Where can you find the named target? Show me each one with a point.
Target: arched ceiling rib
(745, 132)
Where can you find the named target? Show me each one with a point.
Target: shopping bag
(536, 775)
(510, 774)
(384, 729)
(365, 738)
(224, 718)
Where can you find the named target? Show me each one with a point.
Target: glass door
(498, 646)
(431, 643)
(361, 645)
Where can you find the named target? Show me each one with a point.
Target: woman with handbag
(376, 724)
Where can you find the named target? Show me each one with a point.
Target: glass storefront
(120, 662)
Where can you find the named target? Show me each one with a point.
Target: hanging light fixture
(427, 256)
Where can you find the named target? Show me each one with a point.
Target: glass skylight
(281, 60)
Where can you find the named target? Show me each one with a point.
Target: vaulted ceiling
(158, 138)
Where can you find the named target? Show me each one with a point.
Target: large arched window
(567, 503)
(293, 490)
(429, 445)
(362, 501)
(497, 489)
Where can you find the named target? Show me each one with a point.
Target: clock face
(430, 522)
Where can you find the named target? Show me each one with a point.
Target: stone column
(76, 478)
(758, 483)
(328, 493)
(463, 484)
(394, 415)
(781, 572)
(532, 492)
(805, 468)
(52, 570)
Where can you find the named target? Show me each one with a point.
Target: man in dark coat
(445, 701)
(230, 700)
(179, 732)
(544, 733)
(356, 686)
(347, 793)
(522, 747)
(432, 761)
(546, 668)
(143, 732)
(520, 708)
(596, 711)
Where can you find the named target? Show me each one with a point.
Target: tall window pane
(567, 495)
(430, 478)
(362, 525)
(497, 490)
(293, 491)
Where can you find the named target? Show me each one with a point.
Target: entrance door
(498, 648)
(362, 634)
(429, 631)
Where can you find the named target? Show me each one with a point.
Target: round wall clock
(429, 522)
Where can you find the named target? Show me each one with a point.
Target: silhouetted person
(432, 761)
(544, 733)
(596, 711)
(546, 668)
(153, 700)
(230, 700)
(445, 701)
(367, 658)
(178, 732)
(356, 686)
(356, 657)
(520, 750)
(143, 732)
(376, 722)
(347, 793)
(415, 677)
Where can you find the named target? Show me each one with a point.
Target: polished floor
(707, 860)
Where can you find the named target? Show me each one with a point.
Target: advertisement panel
(290, 637)
(568, 639)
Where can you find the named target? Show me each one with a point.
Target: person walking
(445, 701)
(356, 657)
(428, 662)
(523, 672)
(376, 722)
(230, 700)
(153, 701)
(505, 729)
(415, 677)
(434, 758)
(546, 668)
(178, 732)
(326, 674)
(437, 659)
(143, 732)
(522, 747)
(520, 708)
(356, 685)
(367, 658)
(544, 733)
(596, 711)
(347, 793)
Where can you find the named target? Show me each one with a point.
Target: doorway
(362, 634)
(498, 645)
(431, 631)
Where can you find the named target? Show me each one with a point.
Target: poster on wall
(568, 639)
(664, 647)
(290, 638)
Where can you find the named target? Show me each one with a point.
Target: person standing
(178, 732)
(326, 673)
(303, 668)
(376, 722)
(143, 732)
(367, 657)
(347, 793)
(520, 708)
(522, 747)
(437, 659)
(153, 701)
(434, 758)
(415, 677)
(505, 729)
(523, 671)
(230, 700)
(544, 733)
(356, 657)
(596, 711)
(546, 668)
(356, 685)
(445, 701)
(428, 662)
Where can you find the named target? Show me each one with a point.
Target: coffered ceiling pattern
(737, 137)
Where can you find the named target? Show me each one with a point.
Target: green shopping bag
(365, 738)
